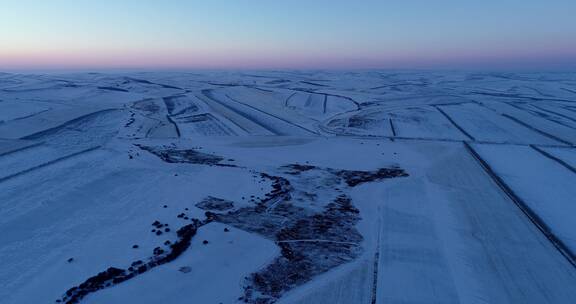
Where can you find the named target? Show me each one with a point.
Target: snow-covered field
(288, 187)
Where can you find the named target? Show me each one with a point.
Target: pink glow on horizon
(265, 59)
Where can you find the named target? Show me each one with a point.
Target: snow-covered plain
(288, 187)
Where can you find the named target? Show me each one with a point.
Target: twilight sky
(62, 34)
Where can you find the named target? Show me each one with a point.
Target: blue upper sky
(292, 34)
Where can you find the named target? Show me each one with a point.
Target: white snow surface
(89, 161)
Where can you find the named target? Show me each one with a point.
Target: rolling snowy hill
(288, 187)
